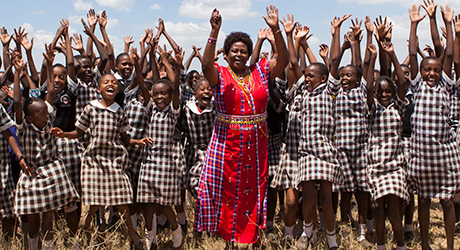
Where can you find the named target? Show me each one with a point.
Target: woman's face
(237, 56)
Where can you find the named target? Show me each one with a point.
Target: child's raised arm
(178, 57)
(389, 49)
(335, 44)
(369, 35)
(448, 16)
(100, 48)
(278, 64)
(430, 9)
(301, 38)
(457, 46)
(289, 26)
(49, 58)
(78, 43)
(195, 53)
(356, 37)
(324, 54)
(370, 75)
(30, 59)
(139, 79)
(261, 36)
(92, 21)
(167, 36)
(415, 18)
(17, 100)
(128, 41)
(6, 39)
(383, 33)
(110, 63)
(153, 59)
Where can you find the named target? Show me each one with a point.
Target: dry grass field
(116, 237)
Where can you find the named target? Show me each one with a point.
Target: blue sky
(187, 20)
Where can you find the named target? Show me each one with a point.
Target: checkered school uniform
(351, 136)
(6, 174)
(69, 150)
(138, 116)
(186, 94)
(159, 177)
(103, 167)
(86, 92)
(50, 188)
(198, 131)
(317, 154)
(286, 175)
(434, 167)
(386, 171)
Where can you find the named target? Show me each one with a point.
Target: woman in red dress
(233, 185)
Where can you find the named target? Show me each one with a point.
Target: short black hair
(28, 102)
(117, 60)
(202, 79)
(429, 58)
(359, 72)
(323, 70)
(164, 80)
(237, 37)
(387, 79)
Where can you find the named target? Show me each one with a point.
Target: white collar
(118, 76)
(113, 108)
(191, 104)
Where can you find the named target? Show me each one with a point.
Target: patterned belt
(245, 119)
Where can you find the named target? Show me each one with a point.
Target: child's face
(59, 78)
(406, 71)
(348, 78)
(313, 77)
(203, 94)
(125, 67)
(4, 100)
(384, 92)
(193, 79)
(431, 71)
(161, 94)
(108, 87)
(84, 73)
(38, 114)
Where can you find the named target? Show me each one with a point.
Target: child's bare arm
(356, 35)
(261, 36)
(430, 9)
(335, 43)
(139, 79)
(457, 46)
(324, 53)
(415, 19)
(30, 60)
(78, 43)
(389, 49)
(110, 63)
(92, 21)
(278, 64)
(448, 16)
(178, 57)
(17, 100)
(370, 75)
(128, 41)
(153, 60)
(17, 151)
(168, 37)
(289, 26)
(6, 39)
(127, 140)
(69, 54)
(49, 58)
(77, 133)
(369, 35)
(19, 34)
(383, 30)
(304, 43)
(99, 46)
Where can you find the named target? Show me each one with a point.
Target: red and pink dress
(233, 185)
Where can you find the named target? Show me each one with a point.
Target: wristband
(21, 158)
(278, 31)
(212, 40)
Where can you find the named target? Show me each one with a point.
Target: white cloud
(229, 9)
(156, 6)
(79, 5)
(112, 22)
(38, 12)
(119, 5)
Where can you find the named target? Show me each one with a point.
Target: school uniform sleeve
(401, 105)
(333, 85)
(51, 110)
(5, 120)
(175, 112)
(415, 84)
(84, 120)
(72, 86)
(295, 88)
(124, 123)
(447, 82)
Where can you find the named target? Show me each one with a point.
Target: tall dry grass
(116, 236)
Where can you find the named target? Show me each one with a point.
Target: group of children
(131, 132)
